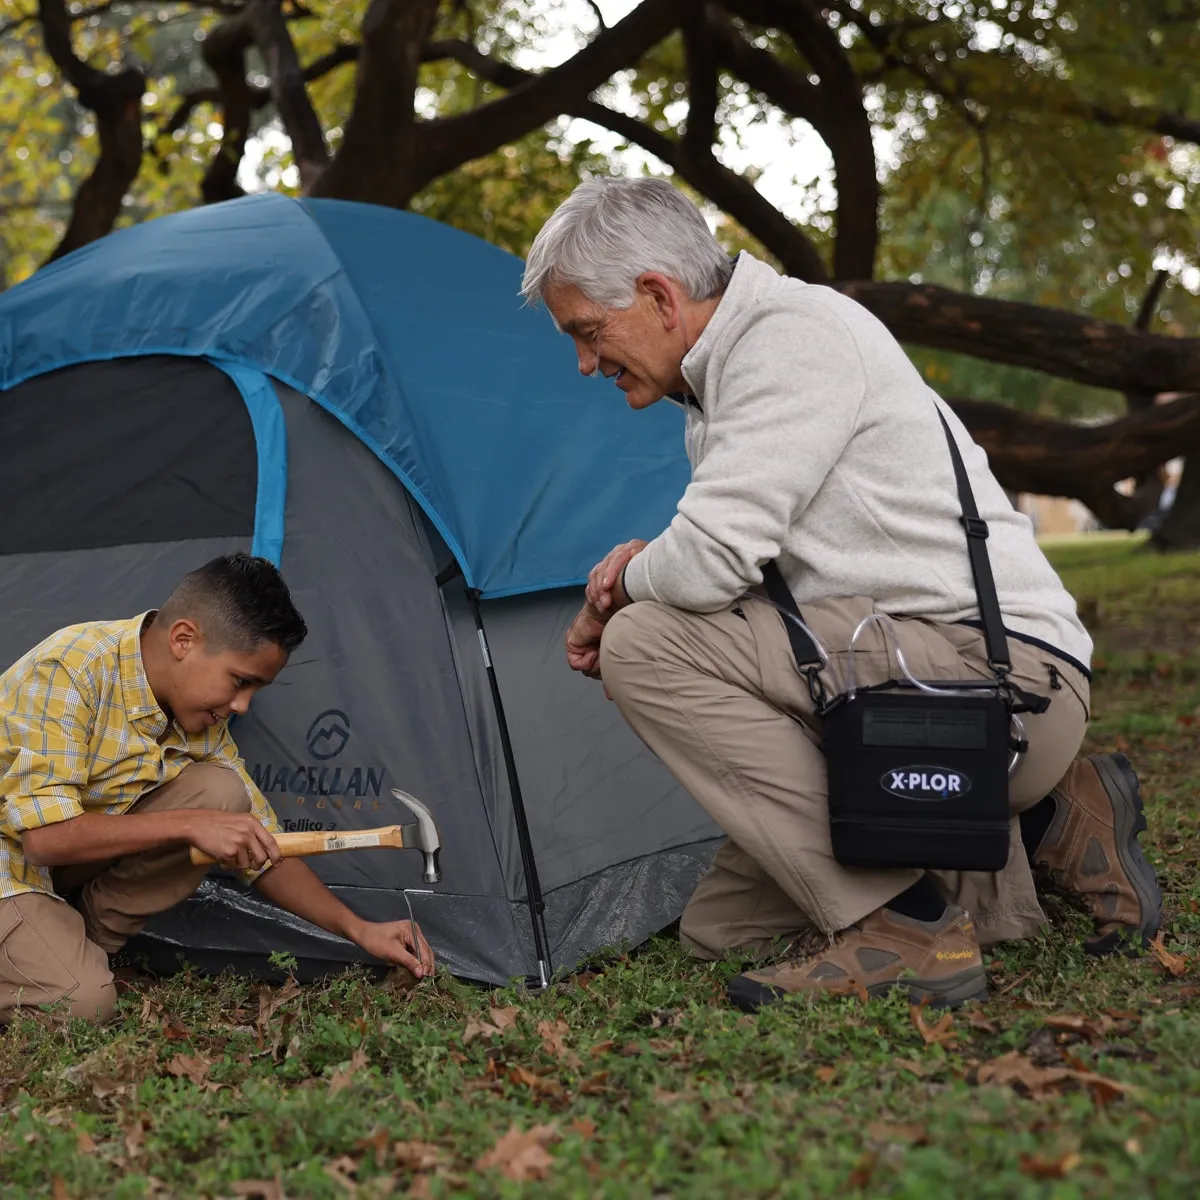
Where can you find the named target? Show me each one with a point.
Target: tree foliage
(1009, 177)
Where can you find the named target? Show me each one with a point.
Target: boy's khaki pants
(51, 950)
(717, 696)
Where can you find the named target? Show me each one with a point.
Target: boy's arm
(294, 886)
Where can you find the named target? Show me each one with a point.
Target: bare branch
(116, 101)
(288, 91)
(451, 141)
(701, 129)
(224, 51)
(844, 126)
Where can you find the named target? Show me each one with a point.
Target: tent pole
(537, 906)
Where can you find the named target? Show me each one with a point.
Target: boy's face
(207, 684)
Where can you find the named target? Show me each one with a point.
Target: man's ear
(662, 293)
(184, 636)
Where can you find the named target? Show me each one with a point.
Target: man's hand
(583, 642)
(233, 839)
(396, 942)
(603, 593)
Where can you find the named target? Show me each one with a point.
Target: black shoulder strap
(805, 652)
(981, 566)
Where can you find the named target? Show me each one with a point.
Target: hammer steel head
(428, 841)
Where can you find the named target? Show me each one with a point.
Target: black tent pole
(537, 906)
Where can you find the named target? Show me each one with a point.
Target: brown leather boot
(938, 961)
(1091, 856)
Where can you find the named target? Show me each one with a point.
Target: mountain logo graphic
(328, 734)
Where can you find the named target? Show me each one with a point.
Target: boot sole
(952, 991)
(1129, 819)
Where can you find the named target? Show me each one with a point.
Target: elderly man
(816, 446)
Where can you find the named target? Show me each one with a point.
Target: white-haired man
(816, 445)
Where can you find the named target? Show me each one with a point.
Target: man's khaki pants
(719, 699)
(51, 950)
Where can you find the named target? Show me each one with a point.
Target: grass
(634, 1079)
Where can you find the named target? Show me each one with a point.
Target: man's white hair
(610, 231)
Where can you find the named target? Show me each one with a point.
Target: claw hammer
(420, 835)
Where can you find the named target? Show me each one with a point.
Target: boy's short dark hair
(239, 601)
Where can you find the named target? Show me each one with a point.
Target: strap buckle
(976, 527)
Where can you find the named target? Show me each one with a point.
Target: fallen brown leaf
(977, 1020)
(58, 1189)
(521, 1156)
(1176, 964)
(941, 1034)
(377, 1140)
(1091, 1028)
(1016, 1070)
(919, 1069)
(601, 1048)
(535, 1082)
(343, 1170)
(83, 1142)
(104, 1086)
(881, 1131)
(190, 1066)
(826, 1074)
(271, 1001)
(1048, 1168)
(416, 1156)
(584, 1126)
(553, 1034)
(343, 1076)
(260, 1189)
(134, 1136)
(504, 1018)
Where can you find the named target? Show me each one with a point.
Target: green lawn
(634, 1079)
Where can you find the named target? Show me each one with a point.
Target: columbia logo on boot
(924, 783)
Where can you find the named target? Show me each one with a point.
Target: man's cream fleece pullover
(817, 442)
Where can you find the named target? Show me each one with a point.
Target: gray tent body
(121, 476)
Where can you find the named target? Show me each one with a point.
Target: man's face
(639, 348)
(208, 684)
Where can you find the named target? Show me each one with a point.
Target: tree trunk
(1180, 529)
(1055, 458)
(1100, 353)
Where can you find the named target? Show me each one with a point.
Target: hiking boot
(1090, 853)
(936, 961)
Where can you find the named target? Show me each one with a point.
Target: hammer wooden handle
(315, 841)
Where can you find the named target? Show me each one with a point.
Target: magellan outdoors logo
(328, 734)
(924, 783)
(321, 785)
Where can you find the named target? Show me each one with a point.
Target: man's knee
(634, 636)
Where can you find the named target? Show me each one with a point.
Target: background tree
(1009, 176)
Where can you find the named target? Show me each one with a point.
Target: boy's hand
(233, 839)
(396, 942)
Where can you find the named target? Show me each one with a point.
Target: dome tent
(360, 395)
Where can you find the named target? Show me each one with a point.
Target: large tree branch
(451, 141)
(698, 39)
(1053, 340)
(288, 91)
(224, 50)
(375, 162)
(1034, 454)
(844, 126)
(116, 101)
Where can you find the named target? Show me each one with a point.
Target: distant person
(116, 757)
(815, 445)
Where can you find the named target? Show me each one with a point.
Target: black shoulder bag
(919, 771)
